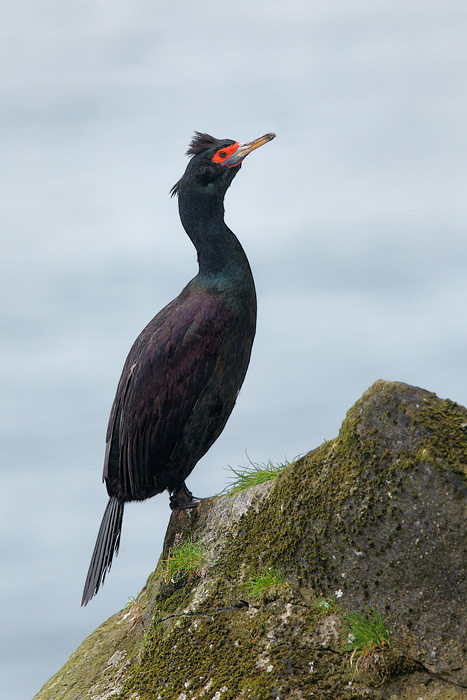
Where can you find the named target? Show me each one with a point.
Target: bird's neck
(219, 250)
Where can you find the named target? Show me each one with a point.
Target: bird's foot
(182, 499)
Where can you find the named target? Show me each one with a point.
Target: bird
(182, 376)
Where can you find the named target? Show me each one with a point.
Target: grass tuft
(324, 606)
(186, 560)
(258, 583)
(135, 610)
(366, 635)
(256, 473)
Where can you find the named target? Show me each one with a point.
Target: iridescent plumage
(182, 376)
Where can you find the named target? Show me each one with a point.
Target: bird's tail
(107, 544)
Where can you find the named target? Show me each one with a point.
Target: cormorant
(183, 374)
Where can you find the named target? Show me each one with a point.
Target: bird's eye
(221, 155)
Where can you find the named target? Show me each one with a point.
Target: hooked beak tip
(245, 148)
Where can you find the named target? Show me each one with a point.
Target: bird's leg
(182, 498)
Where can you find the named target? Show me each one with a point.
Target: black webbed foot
(182, 499)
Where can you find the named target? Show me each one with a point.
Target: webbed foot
(182, 499)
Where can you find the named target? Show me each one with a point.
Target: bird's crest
(199, 143)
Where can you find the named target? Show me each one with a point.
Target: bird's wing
(166, 371)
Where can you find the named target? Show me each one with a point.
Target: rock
(373, 520)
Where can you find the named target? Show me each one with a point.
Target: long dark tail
(107, 544)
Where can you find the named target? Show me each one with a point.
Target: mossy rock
(376, 517)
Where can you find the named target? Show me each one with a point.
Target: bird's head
(214, 163)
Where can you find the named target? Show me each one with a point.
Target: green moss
(446, 441)
(237, 655)
(98, 658)
(330, 514)
(310, 493)
(227, 649)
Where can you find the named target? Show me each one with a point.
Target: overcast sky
(353, 219)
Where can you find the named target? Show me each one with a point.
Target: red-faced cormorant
(182, 376)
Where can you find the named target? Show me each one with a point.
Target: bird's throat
(219, 250)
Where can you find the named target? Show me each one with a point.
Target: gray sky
(353, 219)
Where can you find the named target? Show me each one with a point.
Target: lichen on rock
(376, 515)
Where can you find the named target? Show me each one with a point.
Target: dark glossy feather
(167, 370)
(107, 544)
(200, 142)
(182, 376)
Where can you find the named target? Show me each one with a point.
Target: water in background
(353, 219)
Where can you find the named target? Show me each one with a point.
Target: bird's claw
(183, 499)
